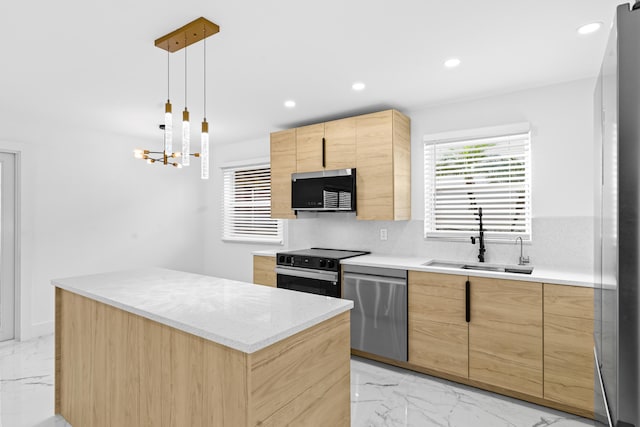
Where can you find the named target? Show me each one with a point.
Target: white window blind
(493, 173)
(247, 206)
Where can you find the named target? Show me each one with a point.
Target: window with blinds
(491, 172)
(247, 206)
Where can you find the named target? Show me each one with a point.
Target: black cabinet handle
(467, 301)
(323, 153)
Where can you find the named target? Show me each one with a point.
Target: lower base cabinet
(529, 340)
(438, 331)
(264, 270)
(568, 345)
(505, 334)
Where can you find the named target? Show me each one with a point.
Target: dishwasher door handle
(379, 279)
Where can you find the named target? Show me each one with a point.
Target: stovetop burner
(326, 253)
(316, 258)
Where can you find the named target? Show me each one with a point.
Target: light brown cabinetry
(568, 345)
(438, 331)
(526, 339)
(310, 147)
(326, 146)
(283, 164)
(264, 270)
(378, 145)
(501, 345)
(340, 143)
(505, 334)
(383, 166)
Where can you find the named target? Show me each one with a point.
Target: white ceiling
(94, 63)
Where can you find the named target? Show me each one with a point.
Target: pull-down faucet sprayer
(481, 249)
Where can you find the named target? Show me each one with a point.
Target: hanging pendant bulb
(168, 129)
(186, 137)
(204, 139)
(204, 150)
(186, 128)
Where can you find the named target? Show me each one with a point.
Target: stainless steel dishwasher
(379, 315)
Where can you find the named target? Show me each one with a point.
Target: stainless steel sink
(520, 269)
(482, 267)
(446, 264)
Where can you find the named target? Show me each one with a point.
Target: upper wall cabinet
(378, 145)
(283, 164)
(326, 146)
(340, 143)
(383, 166)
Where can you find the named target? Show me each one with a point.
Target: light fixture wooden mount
(187, 35)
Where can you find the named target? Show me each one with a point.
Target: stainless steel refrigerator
(617, 224)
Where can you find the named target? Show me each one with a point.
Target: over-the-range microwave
(327, 191)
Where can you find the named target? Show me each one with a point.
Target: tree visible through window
(247, 206)
(462, 175)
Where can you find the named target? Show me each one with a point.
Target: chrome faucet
(482, 249)
(522, 260)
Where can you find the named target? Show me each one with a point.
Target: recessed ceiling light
(358, 86)
(452, 62)
(589, 28)
(290, 103)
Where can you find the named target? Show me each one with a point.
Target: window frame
(471, 135)
(257, 164)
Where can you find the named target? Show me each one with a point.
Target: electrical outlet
(383, 234)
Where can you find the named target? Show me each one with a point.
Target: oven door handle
(328, 276)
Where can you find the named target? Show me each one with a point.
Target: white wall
(231, 260)
(88, 206)
(561, 117)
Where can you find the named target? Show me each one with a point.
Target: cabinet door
(264, 270)
(374, 166)
(568, 345)
(505, 334)
(401, 166)
(438, 331)
(340, 144)
(309, 148)
(283, 164)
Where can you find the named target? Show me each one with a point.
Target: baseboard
(36, 330)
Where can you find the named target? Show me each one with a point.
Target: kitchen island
(158, 347)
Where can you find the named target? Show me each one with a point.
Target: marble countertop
(539, 274)
(239, 315)
(414, 263)
(268, 252)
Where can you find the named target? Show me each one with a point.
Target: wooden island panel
(114, 368)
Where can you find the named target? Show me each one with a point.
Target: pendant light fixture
(189, 34)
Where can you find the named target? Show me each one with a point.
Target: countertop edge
(245, 348)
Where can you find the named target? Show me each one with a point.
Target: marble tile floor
(386, 396)
(381, 396)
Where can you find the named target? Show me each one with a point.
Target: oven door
(309, 280)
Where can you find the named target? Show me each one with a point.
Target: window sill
(278, 242)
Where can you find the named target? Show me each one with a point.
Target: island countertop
(239, 315)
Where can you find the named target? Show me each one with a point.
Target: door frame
(17, 311)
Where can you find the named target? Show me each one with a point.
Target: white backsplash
(559, 243)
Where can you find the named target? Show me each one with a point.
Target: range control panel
(302, 261)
